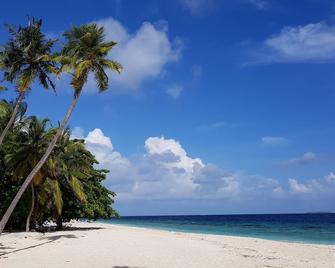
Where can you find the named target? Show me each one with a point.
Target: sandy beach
(114, 246)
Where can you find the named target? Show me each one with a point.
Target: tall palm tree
(24, 59)
(85, 52)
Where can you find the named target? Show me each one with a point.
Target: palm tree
(25, 148)
(24, 59)
(85, 52)
(68, 166)
(6, 111)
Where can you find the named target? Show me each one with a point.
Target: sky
(223, 107)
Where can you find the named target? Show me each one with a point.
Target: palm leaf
(101, 78)
(82, 68)
(77, 188)
(57, 195)
(25, 79)
(112, 65)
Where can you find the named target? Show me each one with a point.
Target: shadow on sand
(128, 267)
(48, 239)
(69, 228)
(66, 228)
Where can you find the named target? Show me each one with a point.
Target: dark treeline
(67, 187)
(44, 174)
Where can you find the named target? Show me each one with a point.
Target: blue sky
(223, 106)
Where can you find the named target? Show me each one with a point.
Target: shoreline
(221, 235)
(115, 245)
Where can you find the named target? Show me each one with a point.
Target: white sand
(116, 246)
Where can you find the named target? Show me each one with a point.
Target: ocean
(318, 228)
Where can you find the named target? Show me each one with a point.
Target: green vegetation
(67, 187)
(59, 171)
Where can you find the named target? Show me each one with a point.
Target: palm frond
(77, 188)
(86, 51)
(82, 68)
(27, 53)
(111, 65)
(101, 78)
(25, 80)
(58, 200)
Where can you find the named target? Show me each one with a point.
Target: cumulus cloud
(144, 53)
(330, 177)
(97, 138)
(165, 172)
(174, 91)
(304, 159)
(313, 42)
(311, 187)
(121, 169)
(297, 187)
(270, 140)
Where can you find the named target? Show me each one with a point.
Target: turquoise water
(305, 228)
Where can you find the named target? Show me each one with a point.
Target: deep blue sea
(305, 228)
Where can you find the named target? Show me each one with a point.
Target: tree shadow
(127, 266)
(56, 237)
(82, 228)
(49, 239)
(66, 228)
(3, 248)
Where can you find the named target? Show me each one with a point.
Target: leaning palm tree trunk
(39, 165)
(12, 118)
(32, 207)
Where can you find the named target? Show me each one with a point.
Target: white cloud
(174, 91)
(143, 54)
(308, 43)
(97, 138)
(230, 186)
(156, 146)
(165, 171)
(121, 169)
(197, 7)
(330, 177)
(313, 186)
(270, 140)
(297, 187)
(304, 159)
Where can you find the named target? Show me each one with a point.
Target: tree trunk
(59, 224)
(12, 118)
(32, 207)
(44, 158)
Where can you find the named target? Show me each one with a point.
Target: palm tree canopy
(68, 165)
(27, 56)
(86, 51)
(27, 146)
(6, 110)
